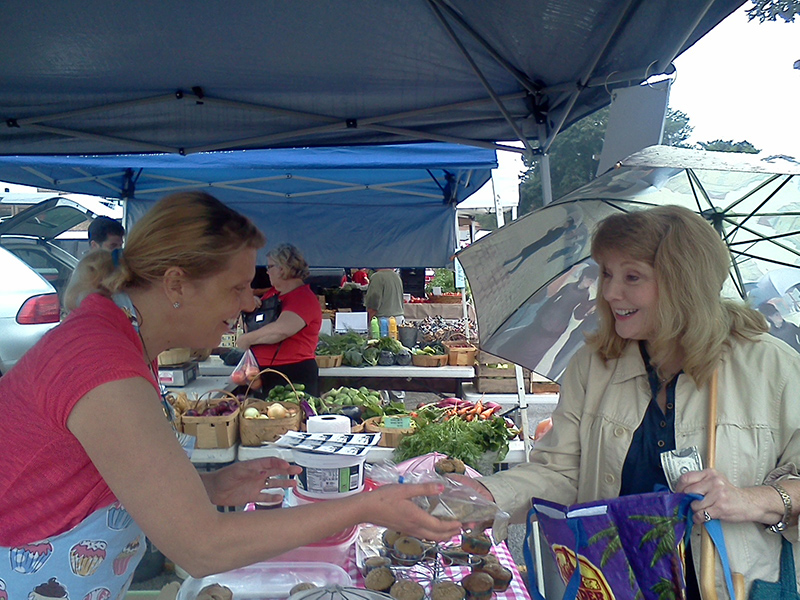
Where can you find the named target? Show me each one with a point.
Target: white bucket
(329, 476)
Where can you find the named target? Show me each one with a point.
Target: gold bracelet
(787, 509)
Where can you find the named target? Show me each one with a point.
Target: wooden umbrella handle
(708, 575)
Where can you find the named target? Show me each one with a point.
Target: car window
(49, 267)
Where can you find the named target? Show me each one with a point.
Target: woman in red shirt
(289, 343)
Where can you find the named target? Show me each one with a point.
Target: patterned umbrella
(533, 281)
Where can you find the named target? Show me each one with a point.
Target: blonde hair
(290, 259)
(190, 230)
(691, 264)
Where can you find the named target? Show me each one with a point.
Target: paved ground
(412, 399)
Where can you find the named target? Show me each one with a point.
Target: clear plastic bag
(247, 372)
(456, 502)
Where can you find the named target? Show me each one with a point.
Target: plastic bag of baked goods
(457, 502)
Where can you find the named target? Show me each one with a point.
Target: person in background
(289, 343)
(384, 297)
(90, 463)
(106, 233)
(360, 276)
(640, 387)
(780, 327)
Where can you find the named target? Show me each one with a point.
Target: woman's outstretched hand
(391, 506)
(242, 482)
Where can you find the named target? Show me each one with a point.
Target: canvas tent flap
(386, 206)
(121, 77)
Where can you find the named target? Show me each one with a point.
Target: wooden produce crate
(429, 360)
(213, 432)
(390, 438)
(493, 375)
(460, 353)
(326, 362)
(542, 385)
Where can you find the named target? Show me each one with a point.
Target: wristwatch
(787, 509)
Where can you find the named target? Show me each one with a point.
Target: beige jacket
(758, 438)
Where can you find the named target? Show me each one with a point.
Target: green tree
(728, 146)
(677, 129)
(770, 10)
(575, 152)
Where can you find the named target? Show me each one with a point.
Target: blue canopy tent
(105, 77)
(380, 206)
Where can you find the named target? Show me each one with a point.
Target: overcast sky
(738, 82)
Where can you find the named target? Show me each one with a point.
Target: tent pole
(547, 184)
(498, 211)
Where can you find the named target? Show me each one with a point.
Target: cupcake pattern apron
(94, 560)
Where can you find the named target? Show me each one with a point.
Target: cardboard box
(460, 353)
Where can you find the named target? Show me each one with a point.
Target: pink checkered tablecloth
(515, 591)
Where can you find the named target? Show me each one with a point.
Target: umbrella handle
(708, 567)
(708, 575)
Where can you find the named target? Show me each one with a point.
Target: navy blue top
(642, 469)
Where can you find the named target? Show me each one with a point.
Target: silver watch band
(787, 509)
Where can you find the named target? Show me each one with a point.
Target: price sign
(461, 280)
(397, 422)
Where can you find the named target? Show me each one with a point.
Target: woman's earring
(176, 305)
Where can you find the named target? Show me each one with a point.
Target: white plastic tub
(329, 476)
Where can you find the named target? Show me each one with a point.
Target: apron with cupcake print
(94, 560)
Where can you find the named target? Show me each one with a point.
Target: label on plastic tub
(330, 481)
(325, 476)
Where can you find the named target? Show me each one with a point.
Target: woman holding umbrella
(641, 386)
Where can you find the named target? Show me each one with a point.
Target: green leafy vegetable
(466, 440)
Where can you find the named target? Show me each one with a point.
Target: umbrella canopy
(379, 206)
(92, 76)
(533, 281)
(774, 284)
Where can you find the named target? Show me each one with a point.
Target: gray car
(35, 273)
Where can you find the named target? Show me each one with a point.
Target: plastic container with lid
(393, 328)
(384, 326)
(329, 476)
(268, 580)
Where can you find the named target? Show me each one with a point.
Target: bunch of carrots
(463, 409)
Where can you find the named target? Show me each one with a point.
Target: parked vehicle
(35, 273)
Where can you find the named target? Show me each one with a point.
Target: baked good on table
(408, 550)
(488, 559)
(374, 562)
(450, 465)
(379, 580)
(447, 590)
(302, 586)
(406, 589)
(476, 543)
(479, 586)
(215, 591)
(501, 575)
(389, 537)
